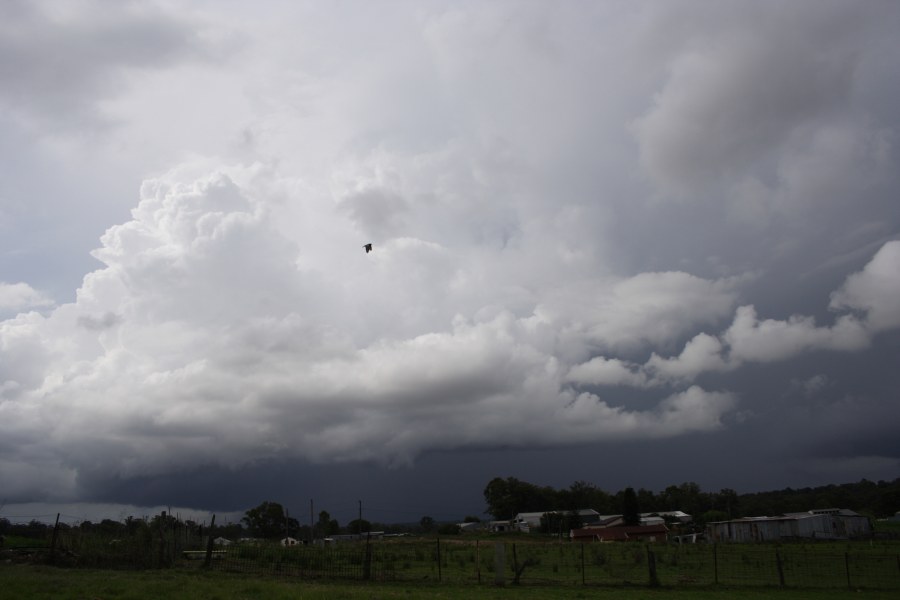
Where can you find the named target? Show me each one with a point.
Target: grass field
(823, 565)
(40, 582)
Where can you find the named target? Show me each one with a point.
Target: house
(820, 524)
(220, 541)
(289, 541)
(647, 533)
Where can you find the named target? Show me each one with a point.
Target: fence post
(209, 543)
(716, 563)
(53, 540)
(651, 565)
(582, 564)
(477, 563)
(780, 568)
(162, 540)
(367, 562)
(515, 564)
(439, 558)
(499, 563)
(847, 568)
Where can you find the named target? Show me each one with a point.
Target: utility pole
(311, 522)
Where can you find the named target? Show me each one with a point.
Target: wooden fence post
(162, 541)
(515, 565)
(716, 563)
(440, 575)
(54, 539)
(367, 563)
(582, 565)
(847, 568)
(499, 563)
(651, 566)
(477, 563)
(209, 543)
(780, 568)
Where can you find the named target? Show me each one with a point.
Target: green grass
(18, 541)
(36, 582)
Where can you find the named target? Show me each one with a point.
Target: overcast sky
(632, 243)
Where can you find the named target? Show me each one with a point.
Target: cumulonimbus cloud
(210, 336)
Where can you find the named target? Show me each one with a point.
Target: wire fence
(485, 562)
(848, 565)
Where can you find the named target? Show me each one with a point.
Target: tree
(326, 525)
(631, 512)
(507, 497)
(560, 523)
(427, 524)
(268, 520)
(448, 529)
(359, 526)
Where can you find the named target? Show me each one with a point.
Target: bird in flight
(368, 247)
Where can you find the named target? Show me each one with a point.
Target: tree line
(269, 520)
(507, 497)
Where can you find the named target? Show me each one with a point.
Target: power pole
(359, 522)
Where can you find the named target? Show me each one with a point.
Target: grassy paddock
(38, 582)
(824, 565)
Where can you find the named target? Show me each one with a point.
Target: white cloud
(607, 371)
(875, 290)
(770, 340)
(703, 353)
(871, 293)
(21, 296)
(206, 338)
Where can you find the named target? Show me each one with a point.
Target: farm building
(647, 533)
(500, 526)
(528, 521)
(827, 524)
(654, 518)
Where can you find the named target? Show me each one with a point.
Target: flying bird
(368, 247)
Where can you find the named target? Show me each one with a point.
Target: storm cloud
(665, 226)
